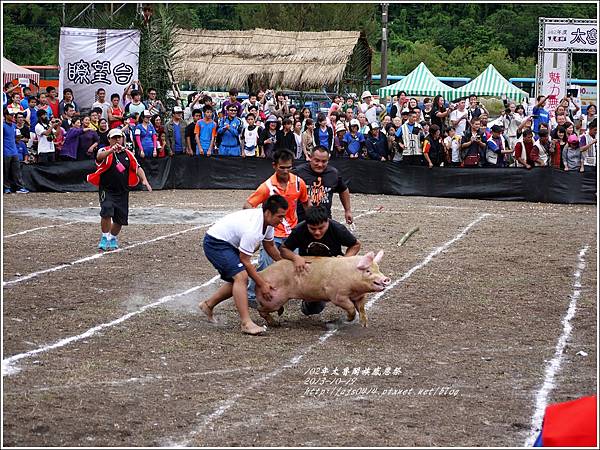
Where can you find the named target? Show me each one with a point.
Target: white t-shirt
(243, 230)
(104, 106)
(453, 144)
(370, 111)
(460, 127)
(44, 145)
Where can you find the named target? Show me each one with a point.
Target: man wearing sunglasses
(318, 235)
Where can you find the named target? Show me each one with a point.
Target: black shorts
(115, 205)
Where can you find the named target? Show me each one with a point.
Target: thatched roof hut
(268, 58)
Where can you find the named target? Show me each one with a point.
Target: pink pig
(343, 281)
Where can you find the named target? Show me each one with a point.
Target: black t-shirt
(336, 236)
(320, 186)
(189, 133)
(114, 181)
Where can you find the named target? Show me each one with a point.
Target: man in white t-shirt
(229, 245)
(101, 103)
(369, 107)
(46, 130)
(459, 118)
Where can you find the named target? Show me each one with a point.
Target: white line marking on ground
(99, 255)
(20, 233)
(141, 379)
(8, 364)
(228, 403)
(553, 366)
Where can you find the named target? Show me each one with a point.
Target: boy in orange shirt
(293, 189)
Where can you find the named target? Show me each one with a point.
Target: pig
(344, 281)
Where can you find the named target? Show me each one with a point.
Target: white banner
(554, 78)
(571, 36)
(90, 59)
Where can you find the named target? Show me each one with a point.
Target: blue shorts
(223, 256)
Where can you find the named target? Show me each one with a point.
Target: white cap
(115, 132)
(355, 122)
(365, 95)
(177, 109)
(147, 113)
(19, 132)
(339, 127)
(375, 125)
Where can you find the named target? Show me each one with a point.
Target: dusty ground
(480, 321)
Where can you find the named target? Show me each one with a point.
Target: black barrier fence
(540, 184)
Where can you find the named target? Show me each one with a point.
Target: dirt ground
(465, 338)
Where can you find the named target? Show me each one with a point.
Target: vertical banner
(90, 59)
(554, 78)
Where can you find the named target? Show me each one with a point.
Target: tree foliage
(452, 39)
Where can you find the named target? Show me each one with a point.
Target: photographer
(511, 120)
(46, 132)
(117, 172)
(473, 145)
(280, 108)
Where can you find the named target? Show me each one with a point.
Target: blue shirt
(146, 136)
(9, 139)
(542, 117)
(32, 118)
(177, 136)
(354, 142)
(410, 128)
(230, 135)
(22, 150)
(25, 103)
(323, 138)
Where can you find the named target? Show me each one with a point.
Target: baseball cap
(365, 95)
(177, 109)
(573, 139)
(147, 113)
(375, 125)
(115, 132)
(355, 122)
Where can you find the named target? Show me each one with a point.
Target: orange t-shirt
(295, 191)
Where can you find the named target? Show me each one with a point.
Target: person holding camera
(46, 130)
(280, 107)
(511, 120)
(117, 172)
(473, 145)
(475, 108)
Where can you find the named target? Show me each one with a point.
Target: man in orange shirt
(293, 189)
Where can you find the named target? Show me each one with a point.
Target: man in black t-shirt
(322, 181)
(318, 235)
(117, 172)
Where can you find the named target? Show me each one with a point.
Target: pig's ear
(365, 261)
(378, 257)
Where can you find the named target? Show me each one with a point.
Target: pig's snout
(381, 283)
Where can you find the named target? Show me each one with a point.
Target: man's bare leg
(221, 294)
(240, 296)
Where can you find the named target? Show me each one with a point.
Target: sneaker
(113, 244)
(7, 191)
(103, 245)
(22, 191)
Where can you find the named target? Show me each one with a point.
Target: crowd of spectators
(46, 129)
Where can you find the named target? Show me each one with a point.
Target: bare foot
(253, 329)
(207, 310)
